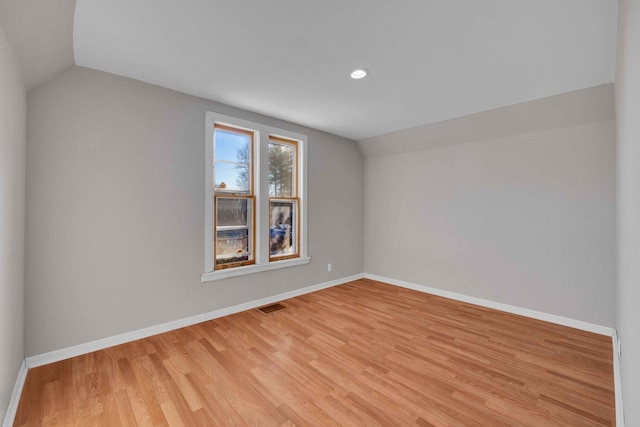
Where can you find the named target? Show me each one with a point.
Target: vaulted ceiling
(429, 60)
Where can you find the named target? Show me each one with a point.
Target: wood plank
(362, 353)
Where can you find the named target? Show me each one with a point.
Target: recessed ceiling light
(359, 73)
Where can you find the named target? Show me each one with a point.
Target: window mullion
(262, 202)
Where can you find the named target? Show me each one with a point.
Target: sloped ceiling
(430, 60)
(569, 109)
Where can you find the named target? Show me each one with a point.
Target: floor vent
(270, 309)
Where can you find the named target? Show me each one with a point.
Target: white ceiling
(430, 60)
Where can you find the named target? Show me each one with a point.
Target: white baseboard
(10, 415)
(617, 380)
(65, 353)
(564, 321)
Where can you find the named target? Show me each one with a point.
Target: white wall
(115, 211)
(628, 133)
(526, 220)
(13, 112)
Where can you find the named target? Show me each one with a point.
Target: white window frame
(261, 191)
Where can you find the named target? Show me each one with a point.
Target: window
(255, 217)
(234, 202)
(283, 200)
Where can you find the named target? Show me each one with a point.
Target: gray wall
(527, 220)
(628, 132)
(13, 113)
(115, 211)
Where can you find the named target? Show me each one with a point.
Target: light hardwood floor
(363, 353)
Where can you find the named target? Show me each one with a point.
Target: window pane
(281, 170)
(231, 146)
(232, 160)
(282, 230)
(232, 246)
(232, 212)
(231, 178)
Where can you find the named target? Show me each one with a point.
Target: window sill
(250, 269)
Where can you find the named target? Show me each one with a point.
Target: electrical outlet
(328, 267)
